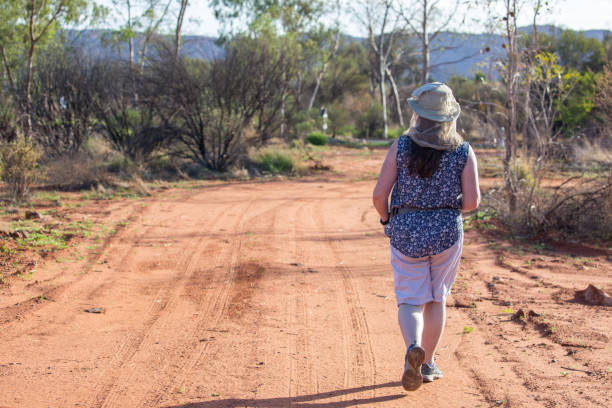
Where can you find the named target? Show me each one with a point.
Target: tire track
(163, 303)
(215, 308)
(303, 341)
(363, 368)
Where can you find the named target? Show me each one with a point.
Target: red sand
(280, 294)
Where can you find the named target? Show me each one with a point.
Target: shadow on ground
(303, 401)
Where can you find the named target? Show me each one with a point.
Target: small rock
(594, 296)
(32, 215)
(95, 310)
(19, 234)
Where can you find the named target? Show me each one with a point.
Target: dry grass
(590, 152)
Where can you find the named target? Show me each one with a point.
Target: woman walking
(433, 174)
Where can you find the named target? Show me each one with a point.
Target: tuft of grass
(39, 239)
(317, 139)
(468, 329)
(507, 310)
(275, 162)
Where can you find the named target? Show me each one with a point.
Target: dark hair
(424, 161)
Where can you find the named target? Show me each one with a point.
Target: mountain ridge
(452, 53)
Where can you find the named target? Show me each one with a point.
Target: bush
(20, 167)
(317, 139)
(8, 119)
(370, 123)
(347, 130)
(275, 162)
(303, 128)
(394, 133)
(74, 171)
(580, 207)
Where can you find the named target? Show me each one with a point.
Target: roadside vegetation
(286, 85)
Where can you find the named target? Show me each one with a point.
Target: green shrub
(394, 133)
(347, 130)
(119, 165)
(370, 123)
(317, 139)
(303, 128)
(275, 162)
(20, 167)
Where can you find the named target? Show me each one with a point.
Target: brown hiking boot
(412, 378)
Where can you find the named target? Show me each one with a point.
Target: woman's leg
(411, 323)
(434, 318)
(444, 269)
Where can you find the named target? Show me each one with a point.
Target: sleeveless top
(435, 224)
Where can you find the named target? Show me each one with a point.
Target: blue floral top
(436, 225)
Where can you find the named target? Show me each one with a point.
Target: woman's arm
(386, 180)
(469, 183)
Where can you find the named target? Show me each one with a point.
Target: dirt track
(279, 294)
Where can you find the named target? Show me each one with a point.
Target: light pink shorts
(423, 280)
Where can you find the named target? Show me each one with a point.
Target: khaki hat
(435, 101)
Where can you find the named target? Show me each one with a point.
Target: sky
(572, 14)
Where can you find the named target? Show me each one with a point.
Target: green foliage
(317, 139)
(575, 112)
(394, 133)
(579, 52)
(8, 118)
(20, 167)
(303, 128)
(347, 75)
(275, 162)
(370, 123)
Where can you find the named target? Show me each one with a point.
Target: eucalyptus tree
(180, 17)
(290, 24)
(383, 25)
(10, 33)
(35, 22)
(426, 20)
(134, 16)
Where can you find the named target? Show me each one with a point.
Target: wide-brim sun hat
(435, 101)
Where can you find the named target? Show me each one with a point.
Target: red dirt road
(280, 294)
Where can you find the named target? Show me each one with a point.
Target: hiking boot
(412, 378)
(430, 372)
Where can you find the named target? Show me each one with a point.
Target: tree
(135, 16)
(579, 52)
(180, 16)
(290, 24)
(426, 21)
(126, 117)
(36, 21)
(382, 24)
(218, 109)
(63, 100)
(551, 86)
(10, 32)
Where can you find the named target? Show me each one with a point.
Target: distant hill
(97, 44)
(452, 53)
